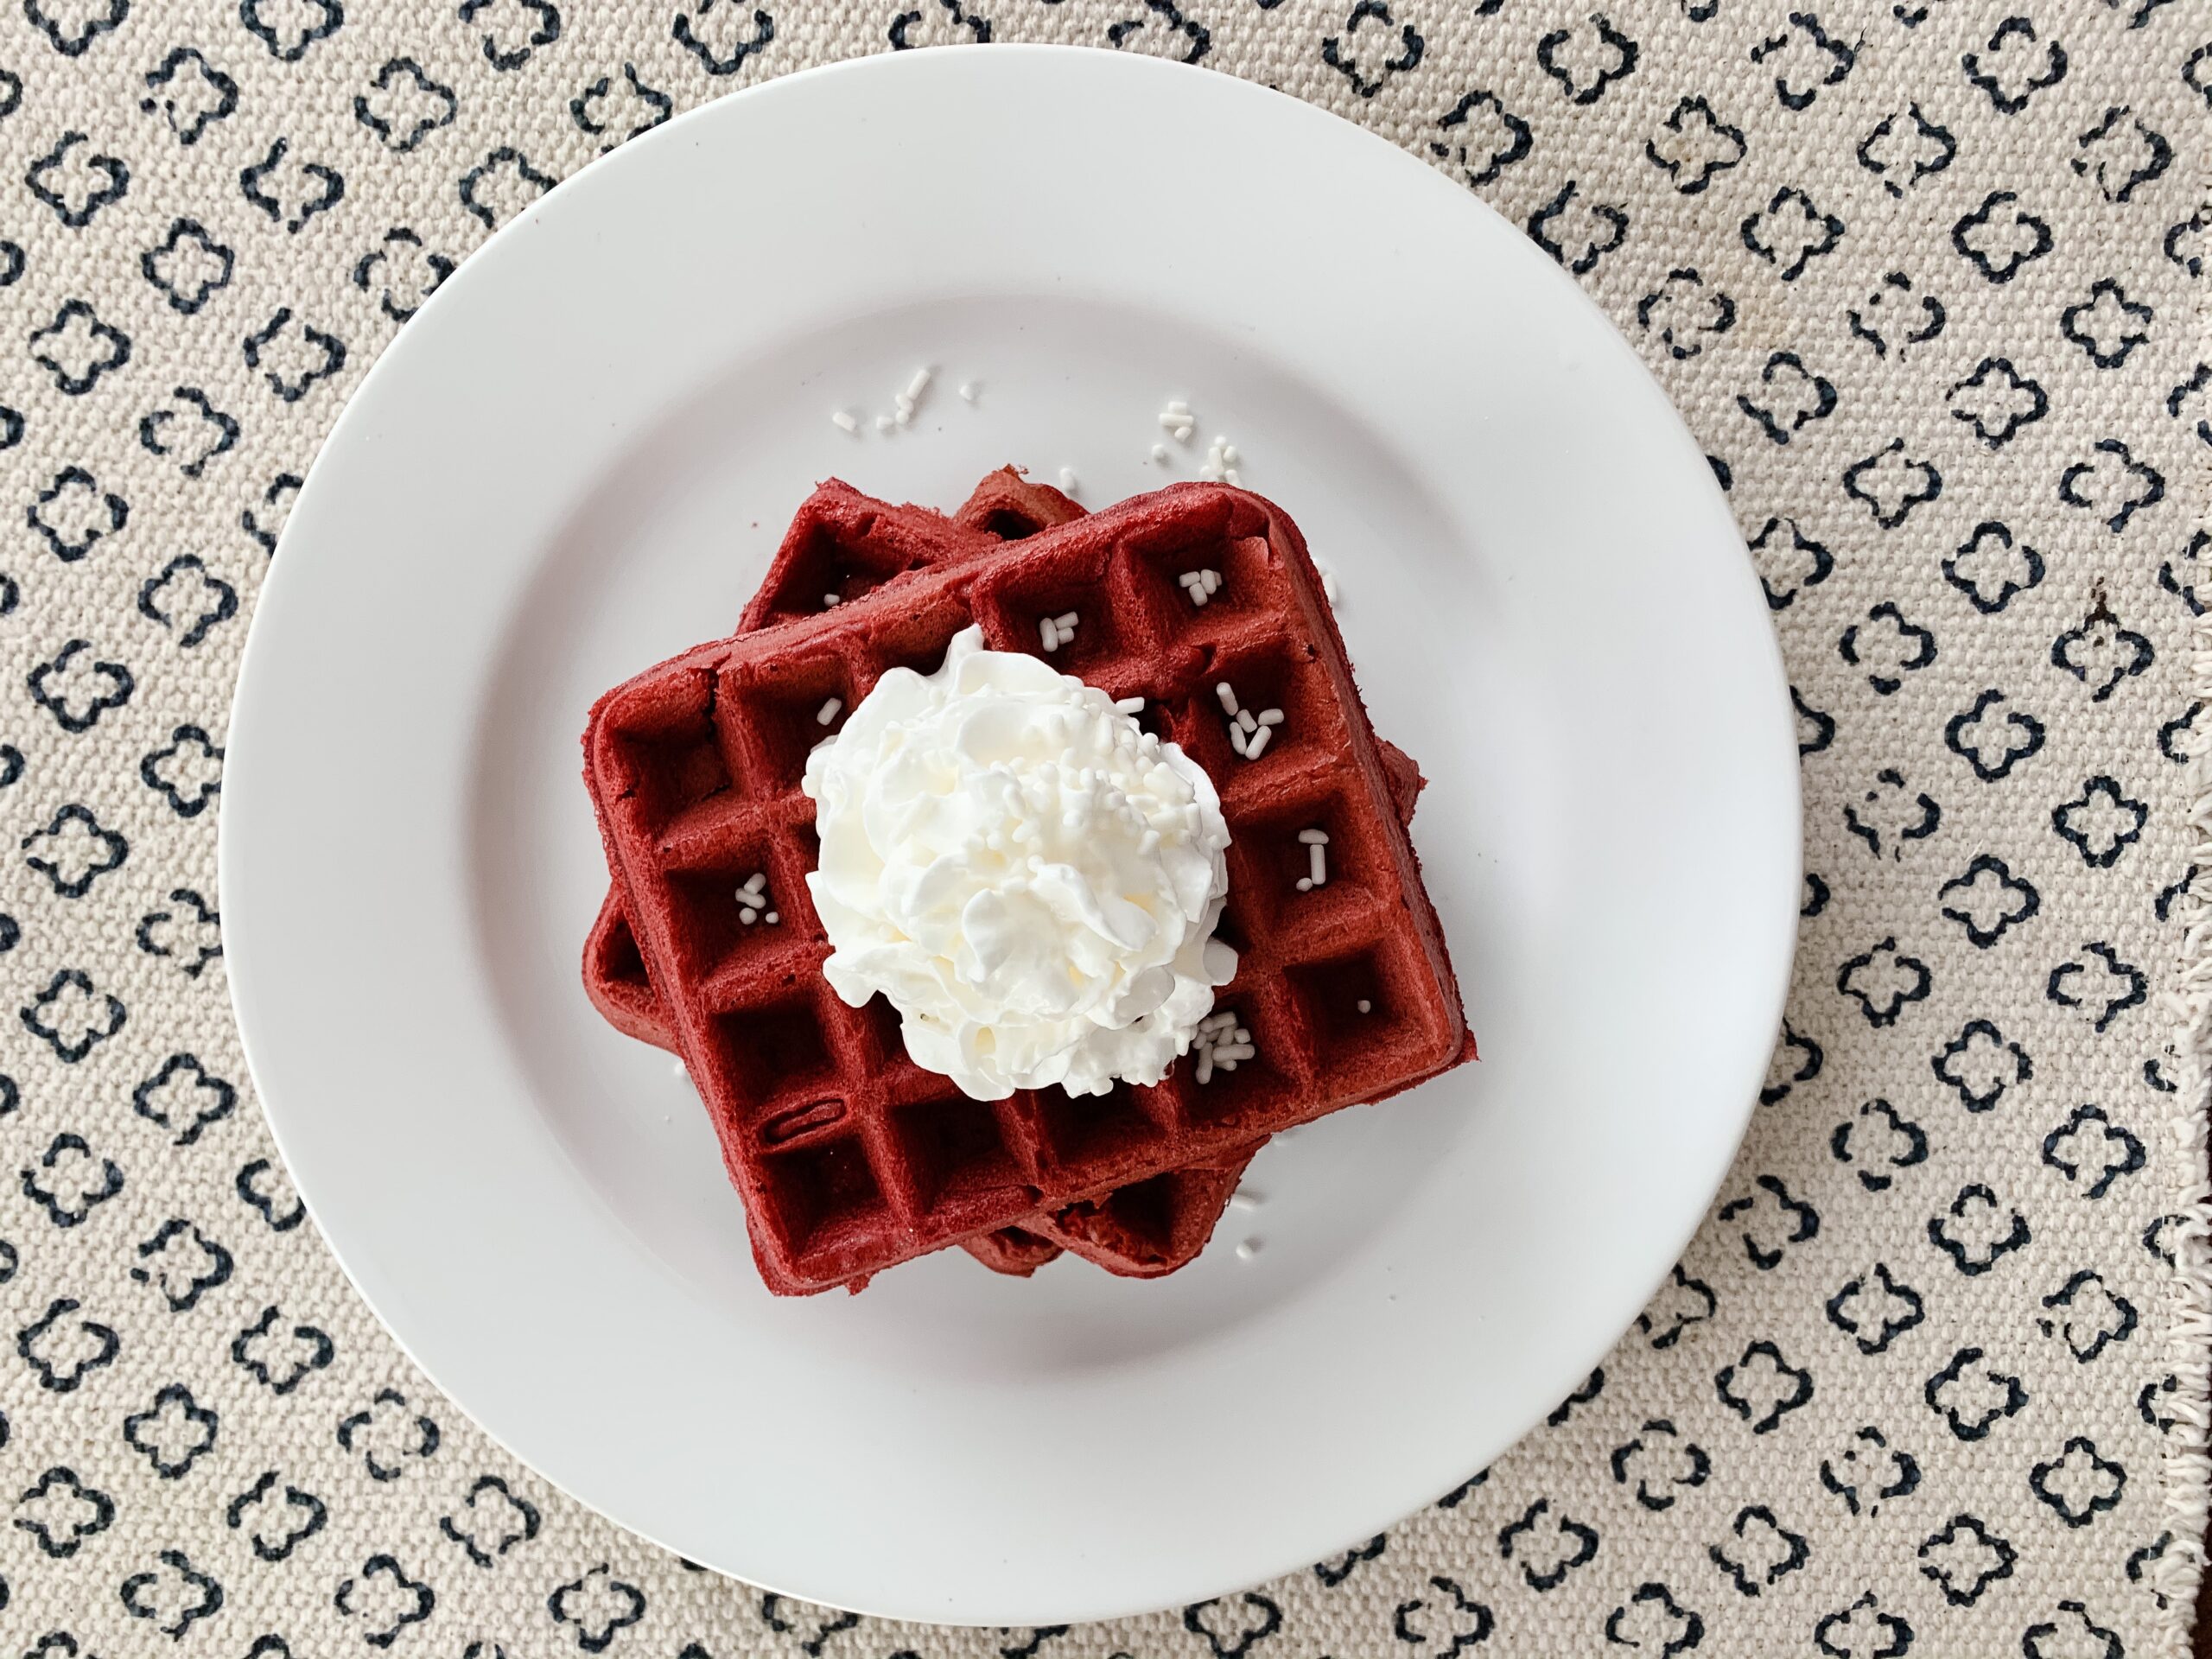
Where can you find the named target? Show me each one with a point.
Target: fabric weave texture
(1927, 278)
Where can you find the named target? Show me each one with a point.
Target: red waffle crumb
(850, 1157)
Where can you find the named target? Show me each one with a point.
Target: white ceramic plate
(577, 459)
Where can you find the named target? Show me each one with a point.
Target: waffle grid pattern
(1157, 1225)
(850, 1156)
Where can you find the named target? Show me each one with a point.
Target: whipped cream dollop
(1029, 877)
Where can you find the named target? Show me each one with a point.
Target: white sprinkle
(830, 601)
(884, 423)
(905, 414)
(1244, 1198)
(1242, 1035)
(1066, 621)
(1183, 433)
(1366, 1006)
(1305, 884)
(1177, 406)
(1248, 721)
(1259, 742)
(1205, 1065)
(1317, 856)
(748, 916)
(1159, 452)
(968, 391)
(918, 385)
(1212, 581)
(1130, 705)
(1247, 1249)
(1270, 716)
(828, 712)
(1314, 837)
(756, 883)
(1329, 587)
(1067, 479)
(1149, 843)
(1239, 742)
(1228, 697)
(1047, 634)
(1228, 1052)
(845, 421)
(772, 918)
(1224, 1062)
(1229, 452)
(682, 1072)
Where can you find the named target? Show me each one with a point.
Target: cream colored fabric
(1927, 279)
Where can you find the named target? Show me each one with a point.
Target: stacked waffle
(1198, 601)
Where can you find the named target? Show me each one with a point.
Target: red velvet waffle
(850, 1157)
(1150, 1229)
(1159, 1228)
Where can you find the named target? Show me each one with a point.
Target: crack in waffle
(850, 1157)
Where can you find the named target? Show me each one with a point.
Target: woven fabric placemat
(1927, 279)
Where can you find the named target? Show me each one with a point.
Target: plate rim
(497, 252)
